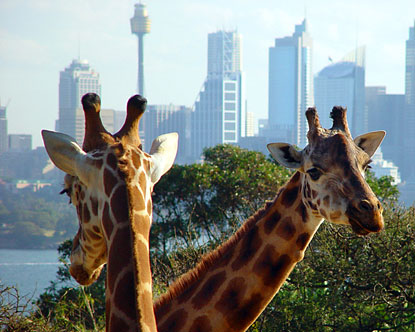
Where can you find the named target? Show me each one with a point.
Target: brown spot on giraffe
(271, 221)
(270, 265)
(135, 157)
(302, 240)
(112, 161)
(232, 296)
(246, 313)
(201, 324)
(86, 216)
(110, 181)
(119, 205)
(286, 229)
(117, 324)
(208, 289)
(289, 196)
(302, 211)
(250, 245)
(124, 297)
(118, 255)
(175, 321)
(107, 221)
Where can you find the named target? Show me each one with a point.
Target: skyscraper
(385, 112)
(3, 130)
(290, 85)
(219, 115)
(343, 83)
(409, 117)
(140, 25)
(162, 119)
(75, 81)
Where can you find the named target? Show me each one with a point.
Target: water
(29, 270)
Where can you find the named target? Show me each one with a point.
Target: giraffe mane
(207, 261)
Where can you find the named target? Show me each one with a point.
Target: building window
(230, 107)
(230, 96)
(229, 125)
(229, 136)
(229, 116)
(230, 86)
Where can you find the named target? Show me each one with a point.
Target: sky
(39, 38)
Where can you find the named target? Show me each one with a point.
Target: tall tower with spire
(140, 25)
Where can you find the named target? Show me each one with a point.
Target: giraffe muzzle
(365, 216)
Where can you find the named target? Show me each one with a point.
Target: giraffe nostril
(365, 206)
(379, 206)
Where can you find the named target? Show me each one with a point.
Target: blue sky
(39, 38)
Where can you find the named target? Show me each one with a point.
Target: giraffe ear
(370, 142)
(285, 154)
(163, 152)
(66, 154)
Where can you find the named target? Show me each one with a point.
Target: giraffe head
(333, 164)
(106, 180)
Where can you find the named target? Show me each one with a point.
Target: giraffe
(232, 285)
(110, 181)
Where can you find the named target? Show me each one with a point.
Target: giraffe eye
(314, 173)
(367, 166)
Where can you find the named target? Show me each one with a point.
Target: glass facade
(343, 84)
(290, 85)
(219, 113)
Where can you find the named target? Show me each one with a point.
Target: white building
(382, 167)
(75, 81)
(219, 111)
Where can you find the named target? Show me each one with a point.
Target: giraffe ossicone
(109, 181)
(232, 285)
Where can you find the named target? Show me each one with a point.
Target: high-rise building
(20, 142)
(409, 118)
(3, 129)
(343, 84)
(163, 119)
(219, 113)
(140, 26)
(75, 81)
(290, 85)
(385, 112)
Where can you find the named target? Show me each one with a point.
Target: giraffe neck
(230, 288)
(126, 221)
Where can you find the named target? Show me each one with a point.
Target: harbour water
(31, 271)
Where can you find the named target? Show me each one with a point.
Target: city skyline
(31, 59)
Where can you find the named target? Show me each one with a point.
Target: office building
(290, 85)
(163, 119)
(75, 81)
(219, 113)
(409, 117)
(343, 83)
(3, 129)
(385, 112)
(20, 142)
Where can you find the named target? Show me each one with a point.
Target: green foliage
(35, 219)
